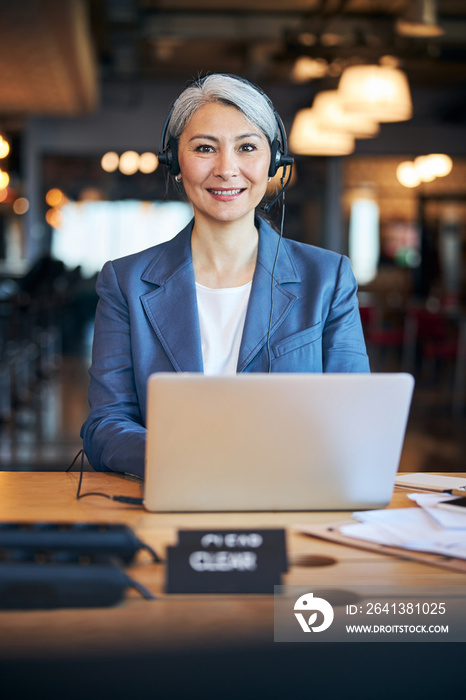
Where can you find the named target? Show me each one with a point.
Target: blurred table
(172, 629)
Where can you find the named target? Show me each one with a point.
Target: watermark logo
(369, 613)
(312, 605)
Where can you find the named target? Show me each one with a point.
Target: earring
(269, 179)
(178, 177)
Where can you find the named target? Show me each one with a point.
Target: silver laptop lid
(274, 442)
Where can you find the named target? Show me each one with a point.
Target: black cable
(120, 499)
(83, 495)
(74, 460)
(272, 282)
(78, 494)
(124, 499)
(152, 552)
(142, 589)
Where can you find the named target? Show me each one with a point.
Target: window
(90, 233)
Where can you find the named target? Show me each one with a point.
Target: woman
(202, 301)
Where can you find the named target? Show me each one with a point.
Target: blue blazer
(147, 321)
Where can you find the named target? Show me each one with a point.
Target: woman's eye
(204, 148)
(248, 147)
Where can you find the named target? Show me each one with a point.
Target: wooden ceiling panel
(53, 53)
(46, 58)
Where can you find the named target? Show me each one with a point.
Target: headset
(279, 156)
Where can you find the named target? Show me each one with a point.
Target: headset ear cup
(172, 147)
(164, 158)
(169, 157)
(275, 156)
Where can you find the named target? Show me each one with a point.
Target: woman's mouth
(225, 193)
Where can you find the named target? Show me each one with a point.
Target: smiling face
(224, 162)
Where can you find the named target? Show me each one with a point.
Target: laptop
(274, 442)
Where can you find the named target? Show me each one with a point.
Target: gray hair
(229, 90)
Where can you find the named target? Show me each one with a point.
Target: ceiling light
(20, 205)
(331, 39)
(308, 138)
(432, 166)
(307, 39)
(419, 19)
(4, 180)
(440, 164)
(129, 162)
(407, 174)
(53, 217)
(110, 161)
(306, 68)
(90, 194)
(330, 114)
(4, 147)
(336, 67)
(148, 162)
(379, 92)
(424, 169)
(338, 32)
(55, 198)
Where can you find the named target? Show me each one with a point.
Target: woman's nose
(225, 165)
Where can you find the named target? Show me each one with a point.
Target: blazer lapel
(258, 313)
(172, 306)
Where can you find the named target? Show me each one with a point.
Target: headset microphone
(284, 185)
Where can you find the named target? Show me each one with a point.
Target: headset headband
(279, 157)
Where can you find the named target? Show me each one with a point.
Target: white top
(222, 313)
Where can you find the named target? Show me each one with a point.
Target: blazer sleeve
(343, 345)
(113, 434)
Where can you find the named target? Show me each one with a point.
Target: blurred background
(373, 96)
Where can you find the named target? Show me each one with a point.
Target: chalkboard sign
(226, 561)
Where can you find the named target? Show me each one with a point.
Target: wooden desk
(177, 625)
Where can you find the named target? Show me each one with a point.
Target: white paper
(448, 519)
(436, 482)
(407, 528)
